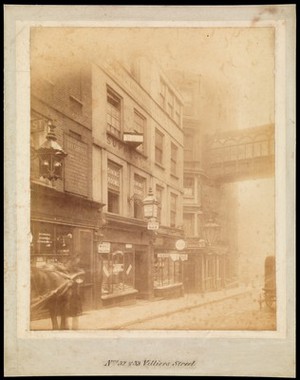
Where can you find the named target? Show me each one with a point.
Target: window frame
(142, 147)
(110, 106)
(173, 160)
(160, 149)
(112, 190)
(173, 209)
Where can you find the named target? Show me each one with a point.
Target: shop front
(123, 262)
(168, 267)
(206, 268)
(64, 228)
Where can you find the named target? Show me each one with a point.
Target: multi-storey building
(65, 219)
(203, 220)
(129, 106)
(122, 132)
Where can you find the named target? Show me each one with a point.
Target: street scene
(152, 179)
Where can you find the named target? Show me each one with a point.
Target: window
(159, 197)
(174, 151)
(188, 224)
(139, 127)
(113, 185)
(159, 142)
(118, 272)
(188, 147)
(113, 113)
(139, 186)
(189, 187)
(167, 269)
(50, 242)
(173, 207)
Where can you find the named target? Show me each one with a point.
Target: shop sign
(163, 255)
(104, 247)
(180, 244)
(128, 246)
(153, 225)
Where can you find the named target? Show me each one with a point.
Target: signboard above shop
(153, 225)
(104, 247)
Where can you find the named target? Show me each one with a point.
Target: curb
(185, 308)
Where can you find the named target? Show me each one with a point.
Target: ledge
(121, 294)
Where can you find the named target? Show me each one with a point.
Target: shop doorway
(141, 272)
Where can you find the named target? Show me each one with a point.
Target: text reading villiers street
(149, 363)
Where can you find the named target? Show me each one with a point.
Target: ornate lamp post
(211, 231)
(150, 205)
(51, 156)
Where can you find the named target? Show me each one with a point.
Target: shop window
(167, 269)
(139, 127)
(51, 243)
(173, 207)
(118, 272)
(139, 186)
(113, 115)
(113, 185)
(174, 153)
(159, 144)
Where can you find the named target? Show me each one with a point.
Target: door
(84, 247)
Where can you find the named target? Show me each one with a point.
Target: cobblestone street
(238, 313)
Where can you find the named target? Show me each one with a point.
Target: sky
(236, 64)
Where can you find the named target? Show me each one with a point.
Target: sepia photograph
(154, 183)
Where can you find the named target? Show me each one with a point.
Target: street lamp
(211, 230)
(150, 204)
(51, 156)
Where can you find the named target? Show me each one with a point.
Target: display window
(167, 269)
(50, 242)
(118, 272)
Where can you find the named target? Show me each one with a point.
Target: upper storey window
(113, 116)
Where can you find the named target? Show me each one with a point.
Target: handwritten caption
(149, 363)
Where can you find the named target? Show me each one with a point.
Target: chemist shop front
(133, 266)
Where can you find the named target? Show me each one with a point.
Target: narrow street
(239, 313)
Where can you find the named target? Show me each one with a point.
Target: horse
(54, 289)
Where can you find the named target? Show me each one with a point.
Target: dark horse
(54, 289)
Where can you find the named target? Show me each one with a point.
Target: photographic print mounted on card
(151, 163)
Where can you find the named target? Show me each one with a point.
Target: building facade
(204, 220)
(137, 145)
(65, 220)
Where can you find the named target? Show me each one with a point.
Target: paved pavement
(119, 317)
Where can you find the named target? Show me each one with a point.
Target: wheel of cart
(270, 282)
